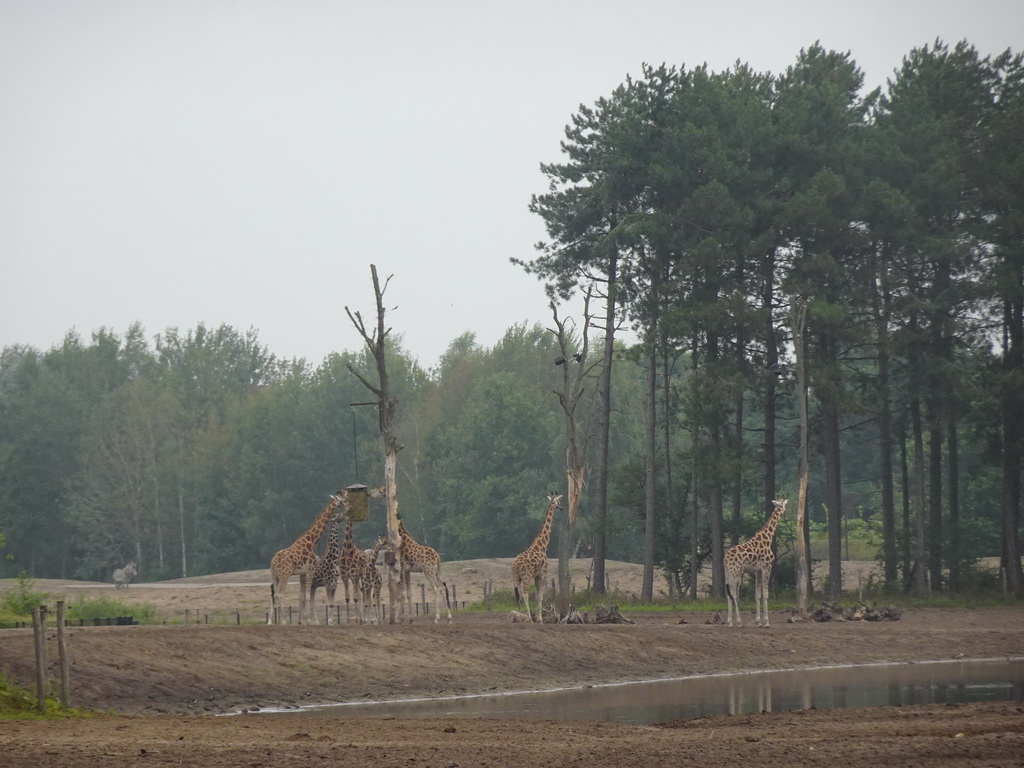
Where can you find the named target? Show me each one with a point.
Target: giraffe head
(338, 505)
(780, 506)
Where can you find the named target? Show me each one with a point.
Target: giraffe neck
(405, 535)
(332, 541)
(348, 533)
(772, 523)
(544, 537)
(312, 536)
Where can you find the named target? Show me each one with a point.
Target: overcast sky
(245, 162)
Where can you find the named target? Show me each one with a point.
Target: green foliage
(21, 600)
(105, 607)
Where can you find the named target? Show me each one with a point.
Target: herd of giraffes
(362, 580)
(355, 568)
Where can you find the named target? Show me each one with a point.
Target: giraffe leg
(272, 616)
(438, 590)
(765, 576)
(732, 604)
(330, 591)
(303, 605)
(757, 598)
(540, 600)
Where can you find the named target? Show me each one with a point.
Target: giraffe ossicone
(754, 556)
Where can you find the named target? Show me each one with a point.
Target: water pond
(653, 701)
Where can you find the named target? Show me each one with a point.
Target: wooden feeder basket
(358, 502)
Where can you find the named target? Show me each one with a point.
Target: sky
(244, 163)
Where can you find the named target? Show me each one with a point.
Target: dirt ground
(167, 683)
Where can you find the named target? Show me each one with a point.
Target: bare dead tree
(387, 406)
(575, 443)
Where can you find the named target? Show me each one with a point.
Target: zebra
(124, 575)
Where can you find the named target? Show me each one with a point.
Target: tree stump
(610, 615)
(573, 616)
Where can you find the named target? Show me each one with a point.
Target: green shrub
(87, 609)
(22, 599)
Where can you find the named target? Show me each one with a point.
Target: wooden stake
(62, 650)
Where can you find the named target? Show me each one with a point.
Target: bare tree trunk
(935, 539)
(920, 573)
(387, 406)
(1012, 407)
(803, 569)
(604, 429)
(953, 471)
(907, 494)
(575, 444)
(881, 302)
(650, 480)
(181, 529)
(715, 503)
(666, 422)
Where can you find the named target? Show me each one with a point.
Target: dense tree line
(703, 209)
(712, 207)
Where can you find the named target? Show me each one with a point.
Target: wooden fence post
(62, 650)
(39, 630)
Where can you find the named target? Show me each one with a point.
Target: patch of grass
(18, 704)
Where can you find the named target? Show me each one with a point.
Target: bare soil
(167, 683)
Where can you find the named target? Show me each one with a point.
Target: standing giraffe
(372, 582)
(532, 565)
(756, 557)
(422, 559)
(351, 565)
(325, 573)
(300, 556)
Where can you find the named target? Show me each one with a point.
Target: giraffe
(351, 565)
(372, 581)
(325, 573)
(754, 556)
(422, 559)
(532, 565)
(300, 556)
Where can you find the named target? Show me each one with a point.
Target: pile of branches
(860, 612)
(603, 615)
(610, 615)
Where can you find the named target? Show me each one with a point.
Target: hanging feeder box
(358, 502)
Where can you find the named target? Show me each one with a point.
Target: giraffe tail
(728, 593)
(447, 599)
(518, 599)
